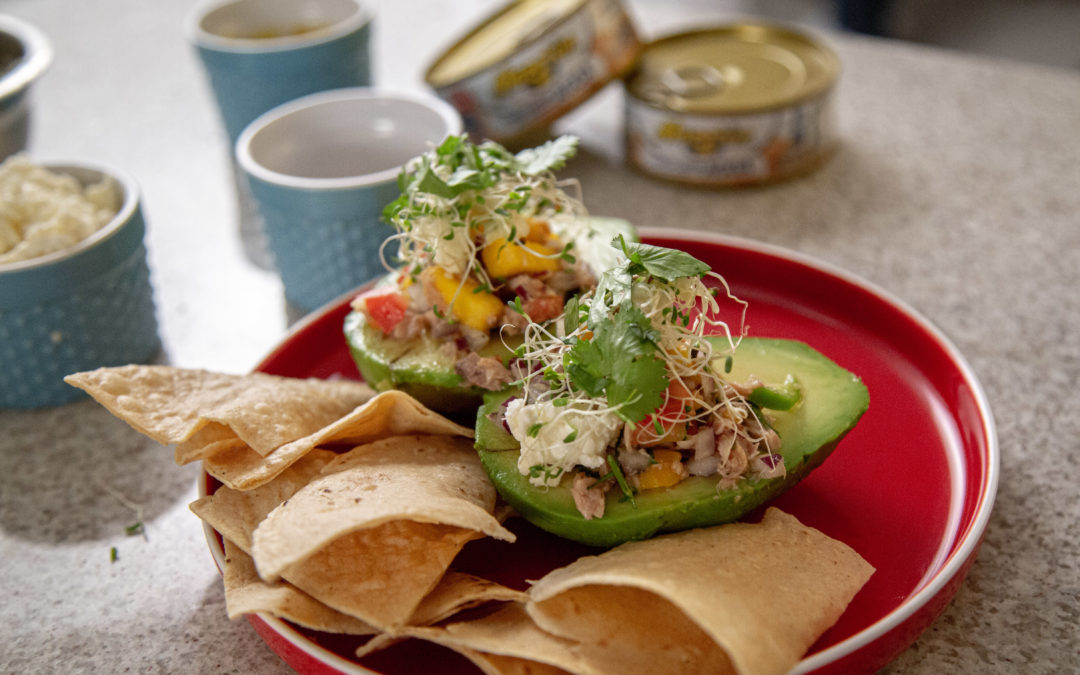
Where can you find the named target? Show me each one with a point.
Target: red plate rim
(952, 560)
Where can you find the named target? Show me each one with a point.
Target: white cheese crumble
(590, 434)
(42, 212)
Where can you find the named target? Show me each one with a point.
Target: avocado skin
(833, 401)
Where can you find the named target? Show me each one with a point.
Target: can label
(728, 149)
(549, 76)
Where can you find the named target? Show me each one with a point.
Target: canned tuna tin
(734, 105)
(532, 62)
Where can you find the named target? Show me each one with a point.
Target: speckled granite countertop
(957, 189)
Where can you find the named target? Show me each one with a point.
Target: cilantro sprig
(666, 264)
(622, 362)
(470, 167)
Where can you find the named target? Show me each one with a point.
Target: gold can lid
(740, 68)
(500, 36)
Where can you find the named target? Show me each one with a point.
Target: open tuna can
(531, 63)
(742, 104)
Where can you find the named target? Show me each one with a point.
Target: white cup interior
(344, 138)
(270, 21)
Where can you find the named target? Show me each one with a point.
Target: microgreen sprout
(459, 197)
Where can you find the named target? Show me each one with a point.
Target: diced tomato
(543, 308)
(670, 416)
(386, 308)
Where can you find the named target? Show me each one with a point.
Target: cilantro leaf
(547, 157)
(666, 264)
(621, 362)
(612, 290)
(615, 285)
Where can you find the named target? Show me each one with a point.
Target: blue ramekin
(78, 309)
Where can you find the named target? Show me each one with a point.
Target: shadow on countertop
(76, 473)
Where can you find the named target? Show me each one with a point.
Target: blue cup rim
(37, 56)
(84, 172)
(242, 150)
(205, 39)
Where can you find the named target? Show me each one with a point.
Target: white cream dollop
(591, 432)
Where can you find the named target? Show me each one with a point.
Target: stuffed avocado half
(487, 241)
(640, 412)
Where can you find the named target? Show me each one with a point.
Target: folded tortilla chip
(236, 513)
(423, 479)
(171, 404)
(455, 593)
(386, 574)
(380, 574)
(246, 593)
(762, 592)
(458, 591)
(212, 438)
(391, 413)
(508, 641)
(497, 664)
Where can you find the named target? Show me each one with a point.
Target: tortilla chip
(235, 514)
(497, 664)
(508, 641)
(391, 413)
(378, 642)
(457, 592)
(246, 593)
(509, 626)
(171, 404)
(241, 468)
(212, 438)
(380, 574)
(763, 592)
(423, 479)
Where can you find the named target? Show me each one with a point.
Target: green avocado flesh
(417, 367)
(420, 369)
(832, 401)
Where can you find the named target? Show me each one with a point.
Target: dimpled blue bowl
(78, 309)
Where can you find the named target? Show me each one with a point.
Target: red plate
(911, 488)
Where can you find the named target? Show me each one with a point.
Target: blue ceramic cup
(25, 54)
(258, 54)
(81, 308)
(322, 168)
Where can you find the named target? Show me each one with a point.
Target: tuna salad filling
(488, 242)
(624, 392)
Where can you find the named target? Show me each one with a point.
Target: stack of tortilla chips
(342, 511)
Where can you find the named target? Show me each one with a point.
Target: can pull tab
(693, 81)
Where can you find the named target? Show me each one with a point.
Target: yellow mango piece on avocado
(667, 471)
(503, 259)
(477, 309)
